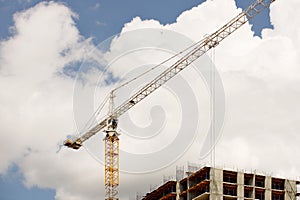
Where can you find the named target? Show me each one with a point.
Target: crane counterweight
(74, 145)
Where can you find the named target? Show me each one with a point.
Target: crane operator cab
(112, 124)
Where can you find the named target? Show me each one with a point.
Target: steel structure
(110, 122)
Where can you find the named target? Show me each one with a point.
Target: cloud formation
(36, 96)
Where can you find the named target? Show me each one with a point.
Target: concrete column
(268, 186)
(177, 190)
(290, 190)
(240, 185)
(216, 184)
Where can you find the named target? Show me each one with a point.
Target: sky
(45, 45)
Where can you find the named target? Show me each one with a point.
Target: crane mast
(111, 154)
(109, 124)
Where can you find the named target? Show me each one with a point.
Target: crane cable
(156, 66)
(99, 109)
(212, 106)
(88, 125)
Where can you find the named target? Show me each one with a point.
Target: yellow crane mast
(110, 123)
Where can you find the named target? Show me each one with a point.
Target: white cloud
(261, 90)
(36, 96)
(260, 76)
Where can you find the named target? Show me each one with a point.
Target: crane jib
(205, 45)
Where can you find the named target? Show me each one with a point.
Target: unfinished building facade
(218, 184)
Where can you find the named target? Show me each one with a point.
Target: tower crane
(110, 122)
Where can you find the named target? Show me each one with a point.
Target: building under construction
(210, 183)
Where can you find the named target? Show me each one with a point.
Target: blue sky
(99, 19)
(102, 19)
(11, 188)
